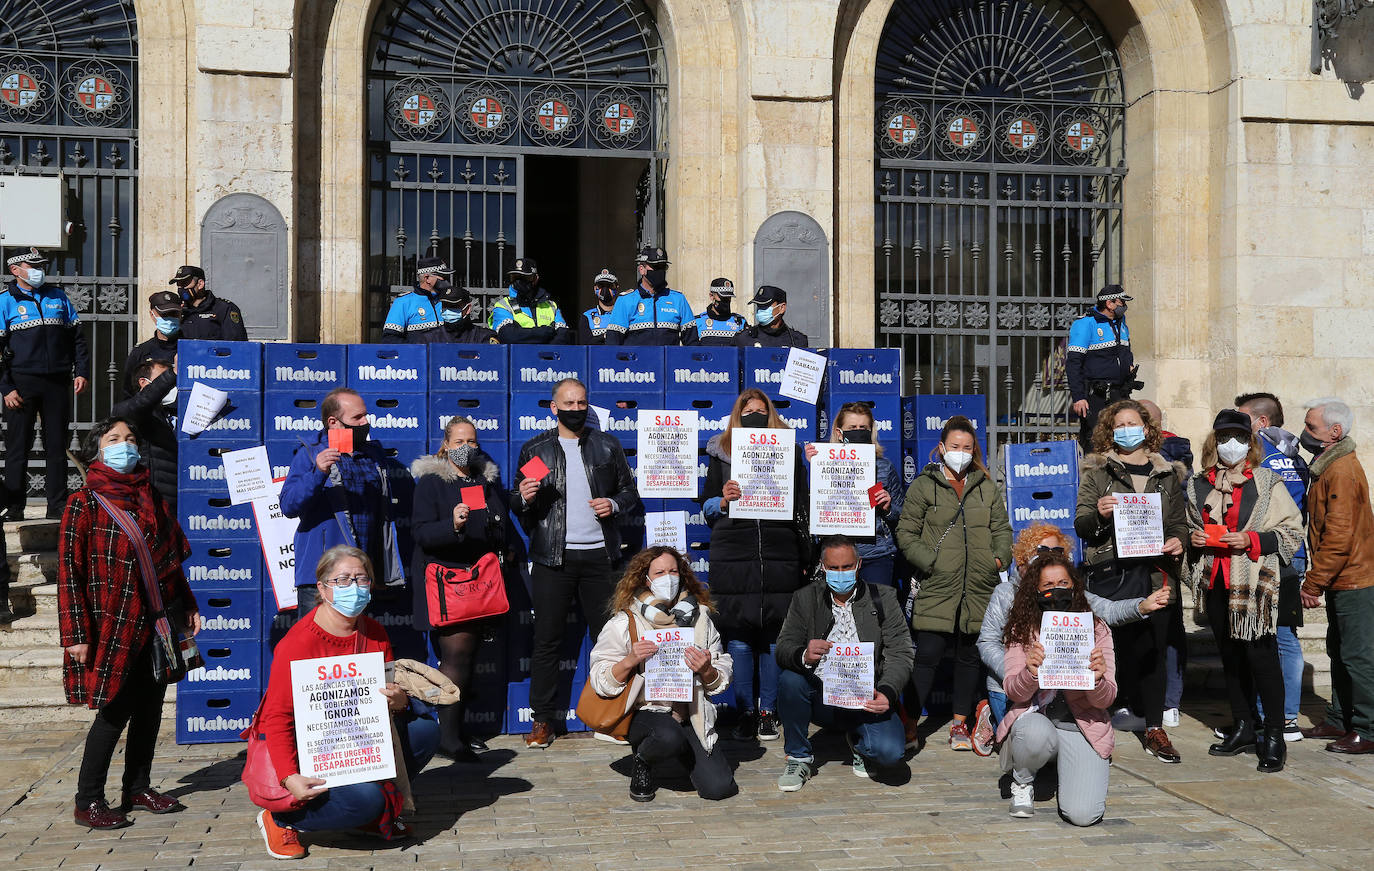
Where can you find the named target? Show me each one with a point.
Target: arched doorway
(998, 190)
(513, 128)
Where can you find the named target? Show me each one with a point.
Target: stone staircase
(1203, 675)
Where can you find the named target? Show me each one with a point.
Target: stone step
(32, 535)
(33, 705)
(40, 630)
(33, 567)
(39, 666)
(33, 597)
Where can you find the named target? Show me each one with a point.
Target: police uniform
(591, 327)
(649, 317)
(41, 348)
(773, 335)
(534, 321)
(160, 346)
(1099, 363)
(454, 328)
(210, 317)
(414, 316)
(706, 329)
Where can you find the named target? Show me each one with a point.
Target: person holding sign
(336, 627)
(661, 606)
(955, 534)
(1072, 726)
(830, 622)
(756, 565)
(1245, 527)
(459, 519)
(1127, 464)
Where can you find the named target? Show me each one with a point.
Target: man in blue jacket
(1099, 363)
(653, 313)
(343, 497)
(717, 325)
(415, 318)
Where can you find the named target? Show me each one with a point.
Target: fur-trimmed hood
(429, 464)
(713, 448)
(1157, 463)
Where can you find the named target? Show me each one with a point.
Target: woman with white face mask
(1245, 525)
(659, 591)
(955, 535)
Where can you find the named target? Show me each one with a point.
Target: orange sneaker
(282, 843)
(540, 736)
(959, 738)
(984, 735)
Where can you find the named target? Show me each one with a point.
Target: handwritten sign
(846, 674)
(802, 376)
(840, 477)
(202, 408)
(277, 534)
(763, 462)
(1139, 521)
(666, 675)
(248, 475)
(343, 727)
(667, 454)
(666, 529)
(1067, 637)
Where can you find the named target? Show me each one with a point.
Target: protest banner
(840, 478)
(1067, 637)
(667, 454)
(667, 677)
(1139, 523)
(763, 462)
(846, 674)
(343, 727)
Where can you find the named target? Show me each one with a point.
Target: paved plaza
(566, 808)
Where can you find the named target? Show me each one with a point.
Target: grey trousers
(1034, 741)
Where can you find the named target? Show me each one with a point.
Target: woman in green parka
(955, 535)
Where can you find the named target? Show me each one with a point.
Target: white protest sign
(841, 476)
(846, 673)
(1067, 637)
(277, 534)
(1139, 522)
(666, 675)
(205, 404)
(343, 727)
(667, 454)
(666, 529)
(763, 462)
(248, 475)
(801, 377)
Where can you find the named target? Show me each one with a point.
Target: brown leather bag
(611, 716)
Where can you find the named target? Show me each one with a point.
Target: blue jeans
(347, 807)
(998, 702)
(744, 652)
(879, 570)
(879, 738)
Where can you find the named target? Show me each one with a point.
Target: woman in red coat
(106, 626)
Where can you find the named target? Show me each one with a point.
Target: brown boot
(1157, 745)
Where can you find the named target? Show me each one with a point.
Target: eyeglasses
(1047, 549)
(349, 580)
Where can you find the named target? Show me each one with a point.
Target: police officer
(414, 316)
(591, 329)
(1100, 365)
(455, 317)
(652, 313)
(41, 347)
(207, 316)
(527, 316)
(166, 310)
(769, 329)
(717, 325)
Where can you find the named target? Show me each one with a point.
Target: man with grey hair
(1340, 566)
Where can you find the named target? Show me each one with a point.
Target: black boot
(1241, 740)
(451, 743)
(1272, 750)
(641, 781)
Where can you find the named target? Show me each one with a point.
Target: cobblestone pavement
(567, 808)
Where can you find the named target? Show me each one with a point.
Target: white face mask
(958, 460)
(1232, 451)
(665, 587)
(171, 397)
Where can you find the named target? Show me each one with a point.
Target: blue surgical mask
(168, 326)
(121, 457)
(1128, 437)
(450, 315)
(764, 316)
(352, 600)
(36, 276)
(841, 582)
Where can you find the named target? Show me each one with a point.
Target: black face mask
(573, 418)
(1058, 599)
(754, 420)
(606, 295)
(360, 432)
(720, 309)
(856, 437)
(1310, 442)
(524, 289)
(657, 278)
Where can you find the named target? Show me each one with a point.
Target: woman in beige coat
(659, 592)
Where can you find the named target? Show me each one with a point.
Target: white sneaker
(1022, 799)
(610, 739)
(1171, 718)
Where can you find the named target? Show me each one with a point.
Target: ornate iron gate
(462, 92)
(1000, 130)
(68, 92)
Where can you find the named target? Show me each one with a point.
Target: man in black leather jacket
(153, 410)
(570, 515)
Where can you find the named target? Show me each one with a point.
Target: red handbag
(260, 774)
(463, 593)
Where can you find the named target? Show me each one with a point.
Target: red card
(341, 440)
(1214, 533)
(535, 469)
(873, 494)
(474, 498)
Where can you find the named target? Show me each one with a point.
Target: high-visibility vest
(544, 312)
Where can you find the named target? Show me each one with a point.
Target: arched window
(1000, 132)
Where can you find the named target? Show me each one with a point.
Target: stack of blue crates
(864, 375)
(624, 380)
(763, 368)
(225, 569)
(1041, 481)
(924, 416)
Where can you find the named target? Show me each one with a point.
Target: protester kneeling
(336, 627)
(840, 611)
(659, 591)
(1073, 726)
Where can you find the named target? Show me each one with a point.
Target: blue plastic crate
(519, 714)
(227, 565)
(537, 368)
(619, 369)
(1054, 505)
(531, 414)
(887, 416)
(624, 407)
(872, 372)
(469, 368)
(240, 420)
(697, 530)
(489, 413)
(713, 410)
(229, 614)
(280, 454)
(702, 370)
(801, 416)
(214, 717)
(397, 417)
(212, 519)
(226, 365)
(200, 465)
(231, 665)
(304, 367)
(1038, 465)
(388, 369)
(699, 558)
(763, 369)
(931, 413)
(291, 415)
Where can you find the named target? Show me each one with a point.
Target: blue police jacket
(1099, 350)
(646, 317)
(1281, 455)
(413, 319)
(40, 334)
(706, 330)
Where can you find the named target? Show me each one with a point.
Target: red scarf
(132, 491)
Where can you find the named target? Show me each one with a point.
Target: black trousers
(1250, 666)
(138, 705)
(1141, 667)
(586, 577)
(657, 737)
(930, 648)
(49, 397)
